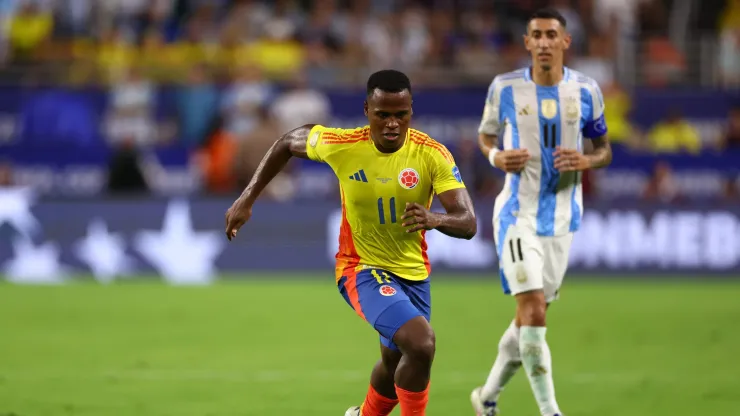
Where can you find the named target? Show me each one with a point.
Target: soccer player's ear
(525, 37)
(365, 107)
(567, 39)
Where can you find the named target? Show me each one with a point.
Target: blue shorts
(385, 300)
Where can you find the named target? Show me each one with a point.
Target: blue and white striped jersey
(539, 118)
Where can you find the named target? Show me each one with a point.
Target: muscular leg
(535, 353)
(381, 396)
(531, 308)
(402, 376)
(383, 376)
(401, 317)
(416, 341)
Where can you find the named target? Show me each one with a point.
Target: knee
(417, 341)
(533, 315)
(423, 348)
(531, 309)
(389, 359)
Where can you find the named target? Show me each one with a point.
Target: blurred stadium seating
(107, 102)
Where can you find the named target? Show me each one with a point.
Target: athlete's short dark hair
(388, 80)
(548, 13)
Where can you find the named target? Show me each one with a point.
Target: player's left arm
(595, 130)
(601, 155)
(458, 220)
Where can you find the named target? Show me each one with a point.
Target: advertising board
(182, 241)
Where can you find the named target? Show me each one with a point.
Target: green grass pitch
(276, 346)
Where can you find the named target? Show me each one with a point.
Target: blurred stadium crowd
(243, 71)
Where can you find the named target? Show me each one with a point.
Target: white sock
(507, 363)
(538, 365)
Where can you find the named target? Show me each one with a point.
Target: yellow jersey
(375, 188)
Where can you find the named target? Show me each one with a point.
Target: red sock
(413, 403)
(377, 405)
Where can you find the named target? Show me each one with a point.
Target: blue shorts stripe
(503, 228)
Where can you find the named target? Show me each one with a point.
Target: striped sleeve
(313, 149)
(491, 121)
(322, 141)
(595, 126)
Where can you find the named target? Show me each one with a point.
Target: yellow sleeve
(445, 173)
(322, 141)
(325, 144)
(314, 149)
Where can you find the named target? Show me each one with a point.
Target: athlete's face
(546, 40)
(389, 115)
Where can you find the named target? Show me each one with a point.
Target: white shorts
(531, 262)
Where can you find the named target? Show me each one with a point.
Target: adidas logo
(525, 111)
(539, 371)
(359, 176)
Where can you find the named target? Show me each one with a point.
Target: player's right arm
(291, 144)
(511, 160)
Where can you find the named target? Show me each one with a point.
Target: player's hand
(236, 216)
(569, 160)
(417, 218)
(511, 161)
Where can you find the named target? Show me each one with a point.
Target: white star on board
(104, 252)
(15, 209)
(35, 264)
(179, 253)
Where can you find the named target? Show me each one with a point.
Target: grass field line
(283, 376)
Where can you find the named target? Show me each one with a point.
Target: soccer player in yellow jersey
(388, 175)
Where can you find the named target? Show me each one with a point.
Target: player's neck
(547, 78)
(382, 149)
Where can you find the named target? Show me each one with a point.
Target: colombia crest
(408, 178)
(386, 290)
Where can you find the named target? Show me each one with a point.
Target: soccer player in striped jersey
(388, 174)
(543, 114)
